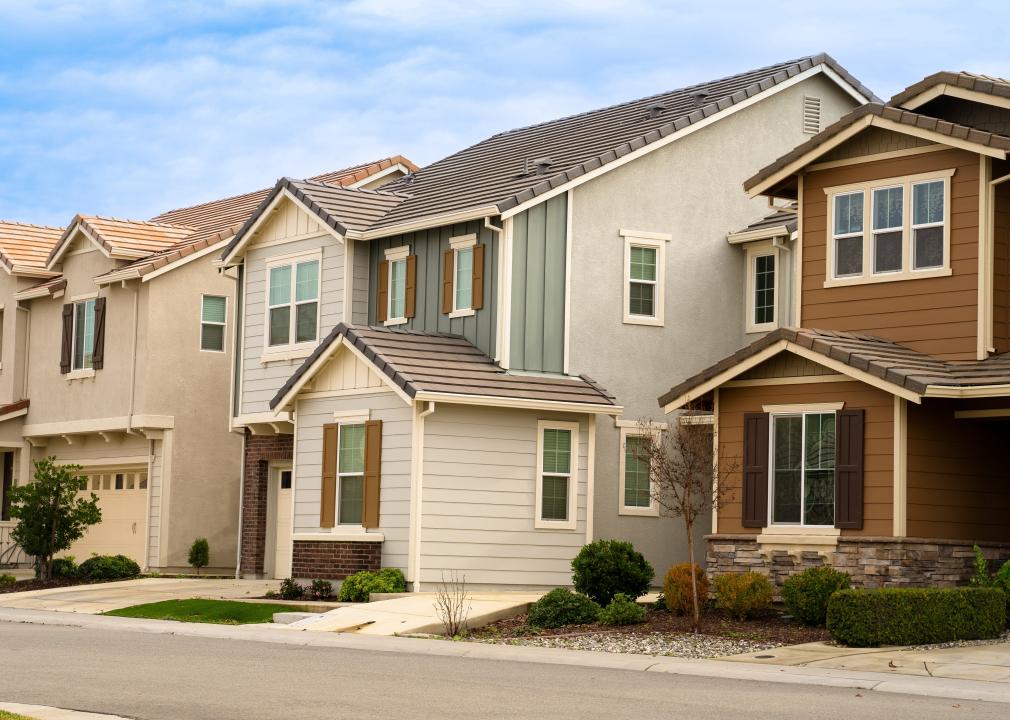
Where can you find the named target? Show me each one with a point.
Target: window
(397, 289)
(644, 268)
(350, 474)
(84, 334)
(212, 320)
(285, 479)
(293, 303)
(556, 461)
(887, 229)
(466, 260)
(803, 469)
(927, 224)
(114, 481)
(642, 279)
(636, 478)
(761, 288)
(463, 283)
(849, 234)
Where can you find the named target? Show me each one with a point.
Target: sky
(129, 108)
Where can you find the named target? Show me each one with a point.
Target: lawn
(221, 612)
(4, 715)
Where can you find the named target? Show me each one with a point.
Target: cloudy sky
(129, 108)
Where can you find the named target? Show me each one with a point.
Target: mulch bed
(33, 584)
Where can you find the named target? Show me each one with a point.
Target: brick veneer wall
(260, 451)
(334, 560)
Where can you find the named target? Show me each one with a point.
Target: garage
(122, 496)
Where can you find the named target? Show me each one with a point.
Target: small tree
(51, 517)
(687, 479)
(199, 554)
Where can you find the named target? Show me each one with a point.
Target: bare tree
(452, 603)
(687, 477)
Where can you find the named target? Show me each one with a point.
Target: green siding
(538, 287)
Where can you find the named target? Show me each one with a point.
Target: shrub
(913, 616)
(359, 586)
(562, 607)
(743, 595)
(290, 590)
(199, 554)
(622, 610)
(64, 567)
(604, 568)
(321, 589)
(677, 587)
(108, 567)
(7, 580)
(806, 594)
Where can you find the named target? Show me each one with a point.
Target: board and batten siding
(539, 247)
(428, 245)
(478, 499)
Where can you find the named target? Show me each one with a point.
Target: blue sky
(129, 108)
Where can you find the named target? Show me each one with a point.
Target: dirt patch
(33, 584)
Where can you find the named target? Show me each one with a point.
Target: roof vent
(699, 98)
(542, 165)
(656, 109)
(811, 115)
(407, 179)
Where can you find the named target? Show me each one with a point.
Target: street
(181, 678)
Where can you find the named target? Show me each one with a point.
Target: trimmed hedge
(359, 586)
(108, 567)
(914, 616)
(604, 568)
(743, 595)
(562, 607)
(806, 594)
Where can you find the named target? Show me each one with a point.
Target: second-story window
(887, 229)
(462, 277)
(761, 288)
(293, 303)
(644, 270)
(849, 234)
(212, 322)
(82, 347)
(84, 334)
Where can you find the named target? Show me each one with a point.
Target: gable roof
(962, 80)
(120, 238)
(775, 224)
(447, 368)
(24, 248)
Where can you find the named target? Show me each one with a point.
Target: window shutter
(448, 266)
(755, 470)
(849, 469)
(8, 483)
(382, 292)
(98, 350)
(373, 473)
(410, 289)
(328, 494)
(477, 300)
(68, 338)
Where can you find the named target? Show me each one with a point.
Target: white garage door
(122, 496)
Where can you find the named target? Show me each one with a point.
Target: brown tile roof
(778, 218)
(126, 237)
(1000, 87)
(42, 289)
(26, 247)
(437, 363)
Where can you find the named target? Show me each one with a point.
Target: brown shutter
(478, 277)
(68, 338)
(382, 292)
(849, 469)
(448, 265)
(328, 494)
(8, 483)
(755, 470)
(98, 350)
(373, 473)
(410, 291)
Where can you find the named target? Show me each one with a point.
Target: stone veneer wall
(260, 451)
(334, 560)
(871, 561)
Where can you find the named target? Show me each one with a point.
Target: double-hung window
(803, 469)
(293, 303)
(350, 474)
(212, 322)
(644, 270)
(928, 205)
(848, 234)
(463, 277)
(556, 477)
(84, 334)
(636, 496)
(888, 224)
(762, 288)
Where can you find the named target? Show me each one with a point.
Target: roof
(500, 171)
(985, 84)
(122, 238)
(776, 223)
(24, 248)
(439, 364)
(46, 288)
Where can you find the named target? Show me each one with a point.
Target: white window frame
(359, 418)
(392, 256)
(84, 370)
(908, 271)
(652, 510)
(912, 226)
(223, 325)
(293, 260)
(753, 252)
(803, 411)
(658, 241)
(883, 231)
(573, 480)
(462, 242)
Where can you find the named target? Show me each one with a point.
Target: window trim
(571, 523)
(652, 510)
(658, 241)
(393, 256)
(84, 370)
(341, 422)
(907, 272)
(753, 252)
(223, 325)
(793, 411)
(885, 231)
(292, 260)
(463, 242)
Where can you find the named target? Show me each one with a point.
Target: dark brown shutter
(373, 473)
(849, 469)
(328, 494)
(98, 351)
(755, 470)
(478, 277)
(382, 292)
(448, 266)
(67, 347)
(8, 483)
(410, 291)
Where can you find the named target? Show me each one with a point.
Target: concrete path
(43, 712)
(98, 598)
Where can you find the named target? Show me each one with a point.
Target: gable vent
(811, 115)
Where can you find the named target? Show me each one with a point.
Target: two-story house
(868, 436)
(490, 329)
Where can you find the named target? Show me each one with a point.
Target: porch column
(899, 512)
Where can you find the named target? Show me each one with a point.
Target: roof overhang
(122, 424)
(430, 221)
(135, 273)
(967, 391)
(951, 90)
(395, 167)
(519, 403)
(768, 233)
(34, 293)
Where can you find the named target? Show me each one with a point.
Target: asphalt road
(181, 678)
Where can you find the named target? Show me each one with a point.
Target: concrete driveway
(98, 598)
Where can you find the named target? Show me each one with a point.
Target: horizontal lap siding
(937, 316)
(479, 499)
(878, 445)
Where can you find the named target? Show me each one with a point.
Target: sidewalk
(41, 712)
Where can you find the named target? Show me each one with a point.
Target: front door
(282, 524)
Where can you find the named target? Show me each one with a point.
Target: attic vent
(656, 109)
(542, 165)
(699, 98)
(811, 115)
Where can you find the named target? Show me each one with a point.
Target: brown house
(869, 436)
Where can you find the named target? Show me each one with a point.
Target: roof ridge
(32, 225)
(155, 223)
(369, 191)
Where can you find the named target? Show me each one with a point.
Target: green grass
(221, 612)
(4, 715)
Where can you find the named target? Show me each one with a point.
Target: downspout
(235, 389)
(28, 346)
(133, 365)
(500, 282)
(779, 243)
(420, 484)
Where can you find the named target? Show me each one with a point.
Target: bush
(290, 590)
(743, 595)
(677, 588)
(359, 586)
(7, 580)
(321, 589)
(604, 568)
(622, 610)
(108, 567)
(806, 594)
(1001, 578)
(64, 567)
(912, 616)
(199, 554)
(562, 607)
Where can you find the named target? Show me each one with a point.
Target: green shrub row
(96, 567)
(562, 607)
(359, 586)
(743, 595)
(806, 594)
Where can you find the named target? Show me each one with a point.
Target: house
(444, 373)
(120, 362)
(868, 435)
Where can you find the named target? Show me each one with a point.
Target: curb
(43, 712)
